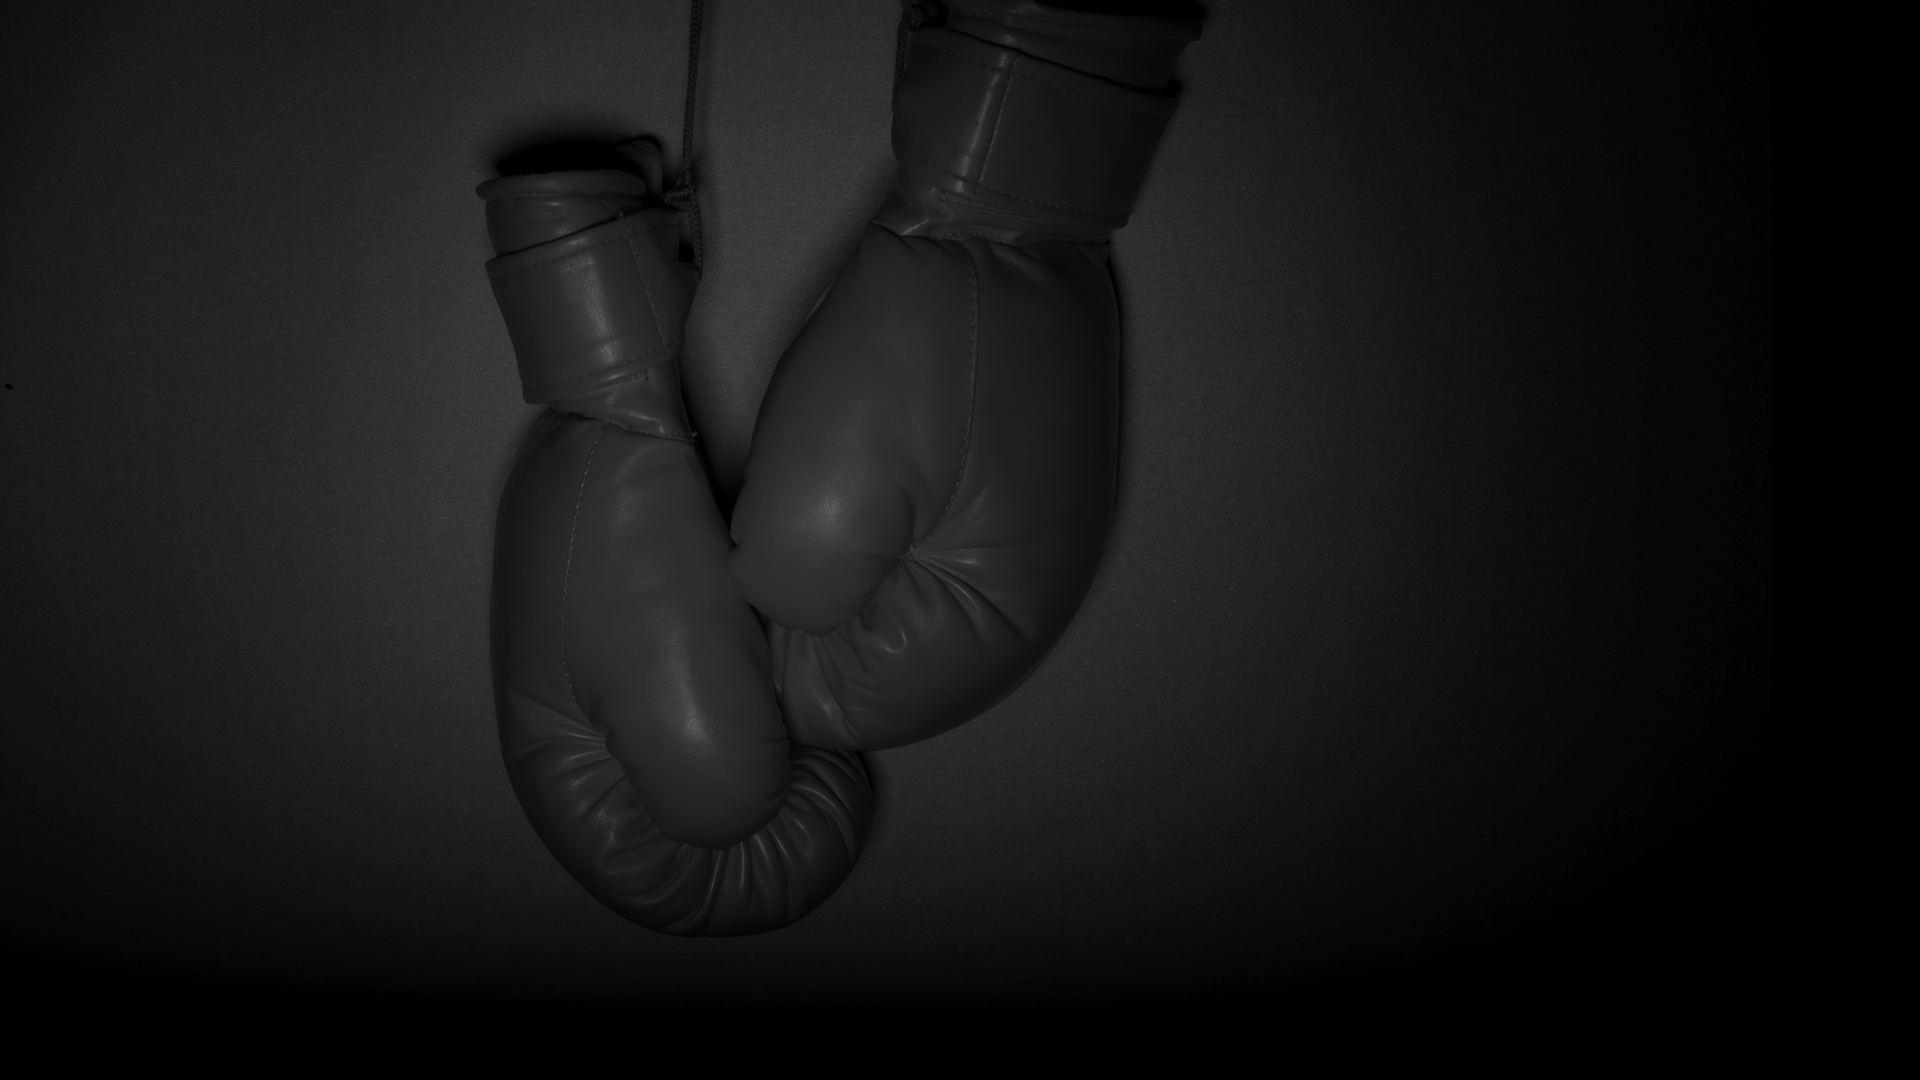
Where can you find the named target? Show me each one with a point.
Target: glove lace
(683, 196)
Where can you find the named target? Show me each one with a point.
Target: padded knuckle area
(862, 434)
(715, 822)
(813, 585)
(811, 555)
(701, 790)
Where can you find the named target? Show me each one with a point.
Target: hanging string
(683, 196)
(914, 14)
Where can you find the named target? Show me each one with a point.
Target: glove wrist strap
(594, 308)
(998, 138)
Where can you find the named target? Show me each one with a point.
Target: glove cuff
(1137, 49)
(526, 210)
(991, 137)
(597, 307)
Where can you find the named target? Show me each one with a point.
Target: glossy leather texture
(636, 706)
(997, 130)
(1131, 43)
(932, 474)
(588, 308)
(928, 492)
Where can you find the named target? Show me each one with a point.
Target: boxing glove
(636, 706)
(932, 472)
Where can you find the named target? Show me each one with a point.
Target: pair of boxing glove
(682, 700)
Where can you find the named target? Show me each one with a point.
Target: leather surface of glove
(932, 474)
(636, 708)
(929, 488)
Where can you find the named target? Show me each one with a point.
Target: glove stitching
(588, 374)
(954, 199)
(665, 432)
(641, 273)
(566, 574)
(993, 134)
(1018, 198)
(963, 233)
(973, 366)
(627, 235)
(1014, 70)
(968, 594)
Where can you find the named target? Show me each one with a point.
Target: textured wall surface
(1435, 626)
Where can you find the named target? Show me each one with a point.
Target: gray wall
(1434, 630)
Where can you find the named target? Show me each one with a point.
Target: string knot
(914, 14)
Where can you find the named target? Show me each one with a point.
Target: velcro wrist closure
(591, 309)
(1020, 136)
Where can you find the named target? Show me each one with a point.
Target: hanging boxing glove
(636, 708)
(932, 473)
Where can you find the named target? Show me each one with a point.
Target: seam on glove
(580, 746)
(954, 198)
(973, 368)
(566, 575)
(971, 598)
(993, 134)
(669, 347)
(663, 433)
(639, 272)
(1013, 71)
(996, 234)
(638, 220)
(1017, 198)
